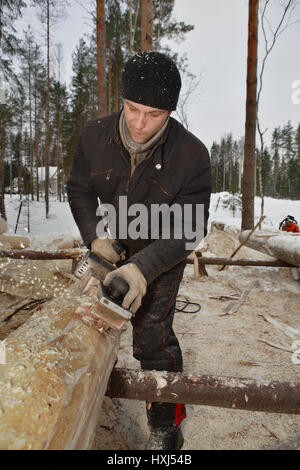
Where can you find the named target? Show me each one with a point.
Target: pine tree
(58, 94)
(83, 100)
(251, 120)
(10, 11)
(101, 45)
(50, 11)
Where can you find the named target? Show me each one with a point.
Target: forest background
(41, 118)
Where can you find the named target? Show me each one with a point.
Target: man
(146, 155)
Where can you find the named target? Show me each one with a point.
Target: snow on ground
(60, 222)
(41, 230)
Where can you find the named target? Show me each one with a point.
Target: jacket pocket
(105, 173)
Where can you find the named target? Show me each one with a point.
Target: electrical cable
(186, 304)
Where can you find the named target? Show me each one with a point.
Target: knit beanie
(152, 79)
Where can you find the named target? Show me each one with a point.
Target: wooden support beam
(240, 262)
(41, 255)
(76, 253)
(209, 390)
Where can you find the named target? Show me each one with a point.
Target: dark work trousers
(154, 342)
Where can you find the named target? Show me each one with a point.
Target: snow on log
(284, 246)
(53, 379)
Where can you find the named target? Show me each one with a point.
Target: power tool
(106, 309)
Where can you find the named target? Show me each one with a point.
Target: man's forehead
(142, 107)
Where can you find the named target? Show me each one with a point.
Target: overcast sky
(217, 53)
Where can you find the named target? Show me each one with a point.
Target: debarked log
(226, 392)
(54, 371)
(285, 246)
(209, 260)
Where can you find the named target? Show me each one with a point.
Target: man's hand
(136, 282)
(104, 248)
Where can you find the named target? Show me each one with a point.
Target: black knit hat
(152, 79)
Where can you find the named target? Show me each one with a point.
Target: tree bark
(208, 390)
(146, 25)
(251, 118)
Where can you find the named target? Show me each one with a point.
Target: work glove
(136, 282)
(103, 247)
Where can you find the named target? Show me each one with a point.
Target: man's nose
(141, 121)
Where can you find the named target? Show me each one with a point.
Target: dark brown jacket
(178, 171)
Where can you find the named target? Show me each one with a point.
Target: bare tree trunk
(2, 174)
(30, 132)
(109, 77)
(101, 85)
(47, 140)
(146, 25)
(36, 148)
(117, 80)
(20, 169)
(251, 117)
(58, 155)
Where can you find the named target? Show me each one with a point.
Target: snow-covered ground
(60, 222)
(213, 342)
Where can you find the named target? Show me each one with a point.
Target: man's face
(143, 122)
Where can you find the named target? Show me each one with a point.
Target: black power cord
(186, 304)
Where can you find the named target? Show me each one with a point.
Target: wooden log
(43, 255)
(77, 253)
(54, 379)
(240, 262)
(209, 390)
(287, 444)
(285, 246)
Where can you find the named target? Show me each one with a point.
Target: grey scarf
(138, 152)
